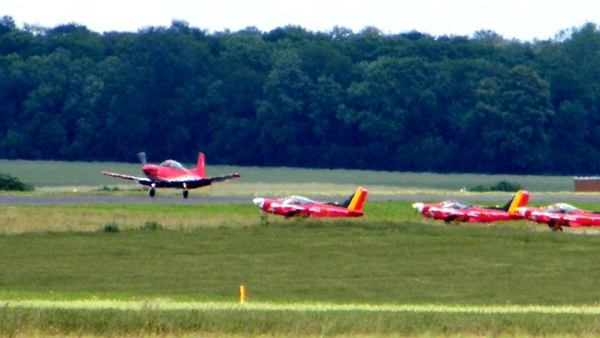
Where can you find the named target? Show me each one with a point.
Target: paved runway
(144, 198)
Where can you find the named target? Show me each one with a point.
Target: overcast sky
(525, 20)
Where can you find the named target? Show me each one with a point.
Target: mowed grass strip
(169, 305)
(249, 323)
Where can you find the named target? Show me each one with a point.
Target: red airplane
(171, 174)
(298, 206)
(559, 215)
(458, 211)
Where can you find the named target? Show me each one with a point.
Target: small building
(586, 183)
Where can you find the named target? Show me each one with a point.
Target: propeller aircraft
(560, 215)
(171, 174)
(298, 206)
(459, 211)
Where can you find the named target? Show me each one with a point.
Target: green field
(48, 174)
(175, 270)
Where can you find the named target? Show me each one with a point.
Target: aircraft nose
(147, 170)
(259, 202)
(418, 207)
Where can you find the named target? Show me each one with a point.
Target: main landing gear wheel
(555, 226)
(152, 192)
(185, 194)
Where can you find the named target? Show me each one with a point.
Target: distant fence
(588, 183)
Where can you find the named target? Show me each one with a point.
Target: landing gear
(152, 192)
(555, 226)
(185, 191)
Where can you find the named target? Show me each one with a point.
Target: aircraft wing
(222, 178)
(577, 220)
(185, 182)
(140, 180)
(193, 182)
(297, 211)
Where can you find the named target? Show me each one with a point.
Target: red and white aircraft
(298, 206)
(559, 215)
(171, 174)
(458, 211)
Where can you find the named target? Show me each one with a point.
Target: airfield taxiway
(204, 199)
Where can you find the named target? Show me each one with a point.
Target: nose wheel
(152, 192)
(185, 194)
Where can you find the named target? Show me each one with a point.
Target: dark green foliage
(506, 186)
(291, 97)
(479, 188)
(111, 227)
(10, 183)
(151, 226)
(500, 186)
(105, 188)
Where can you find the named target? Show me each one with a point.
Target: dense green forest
(293, 97)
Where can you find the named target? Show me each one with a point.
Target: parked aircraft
(171, 174)
(560, 215)
(298, 206)
(459, 211)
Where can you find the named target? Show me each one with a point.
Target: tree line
(293, 97)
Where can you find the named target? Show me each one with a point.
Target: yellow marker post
(242, 294)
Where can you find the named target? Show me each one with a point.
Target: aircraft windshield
(456, 204)
(296, 200)
(562, 208)
(172, 164)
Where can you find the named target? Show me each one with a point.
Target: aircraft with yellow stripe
(298, 206)
(459, 211)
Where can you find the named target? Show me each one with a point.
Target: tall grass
(94, 217)
(145, 322)
(188, 217)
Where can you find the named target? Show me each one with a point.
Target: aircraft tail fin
(200, 165)
(356, 201)
(520, 199)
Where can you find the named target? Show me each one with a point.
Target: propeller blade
(142, 157)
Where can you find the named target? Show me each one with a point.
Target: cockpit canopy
(561, 208)
(172, 164)
(297, 200)
(453, 204)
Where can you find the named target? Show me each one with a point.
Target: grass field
(175, 270)
(48, 174)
